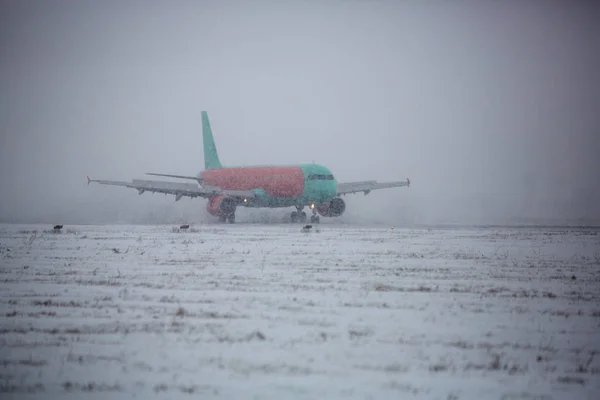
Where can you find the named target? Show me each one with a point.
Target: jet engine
(221, 206)
(334, 208)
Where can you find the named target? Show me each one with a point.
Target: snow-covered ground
(268, 311)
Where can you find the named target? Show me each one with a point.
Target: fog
(490, 107)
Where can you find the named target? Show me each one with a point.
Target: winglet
(407, 182)
(89, 180)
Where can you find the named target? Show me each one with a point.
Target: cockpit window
(320, 177)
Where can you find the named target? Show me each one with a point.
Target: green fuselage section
(318, 186)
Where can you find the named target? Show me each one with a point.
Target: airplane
(226, 188)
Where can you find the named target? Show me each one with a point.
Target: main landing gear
(229, 218)
(300, 216)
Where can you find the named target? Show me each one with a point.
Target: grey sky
(490, 107)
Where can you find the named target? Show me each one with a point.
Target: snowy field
(267, 311)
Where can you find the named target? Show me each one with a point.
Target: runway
(269, 311)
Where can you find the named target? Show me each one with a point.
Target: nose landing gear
(314, 218)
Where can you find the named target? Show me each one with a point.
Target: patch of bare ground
(28, 363)
(389, 288)
(323, 323)
(91, 387)
(461, 344)
(169, 299)
(86, 330)
(52, 303)
(103, 282)
(459, 289)
(6, 331)
(386, 288)
(497, 364)
(549, 295)
(199, 263)
(161, 387)
(583, 366)
(523, 294)
(359, 332)
(496, 290)
(84, 359)
(462, 255)
(414, 255)
(439, 367)
(182, 312)
(405, 387)
(414, 341)
(390, 368)
(372, 305)
(33, 344)
(503, 345)
(571, 380)
(222, 337)
(564, 313)
(285, 369)
(27, 231)
(148, 285)
(6, 387)
(33, 294)
(143, 366)
(579, 296)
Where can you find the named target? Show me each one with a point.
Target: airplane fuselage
(276, 186)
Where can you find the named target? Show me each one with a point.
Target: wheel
(294, 217)
(314, 219)
(231, 218)
(302, 217)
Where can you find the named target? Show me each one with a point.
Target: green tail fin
(211, 158)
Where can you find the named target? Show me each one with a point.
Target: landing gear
(299, 216)
(227, 218)
(314, 218)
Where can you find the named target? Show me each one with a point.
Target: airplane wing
(176, 188)
(367, 186)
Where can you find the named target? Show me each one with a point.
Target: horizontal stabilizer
(175, 186)
(195, 178)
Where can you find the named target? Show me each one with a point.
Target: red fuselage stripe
(278, 182)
